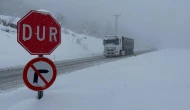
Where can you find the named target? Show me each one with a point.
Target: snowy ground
(153, 81)
(73, 46)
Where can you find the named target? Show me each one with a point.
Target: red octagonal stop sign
(39, 33)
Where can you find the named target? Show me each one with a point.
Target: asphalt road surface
(12, 78)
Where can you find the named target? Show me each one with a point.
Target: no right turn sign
(39, 74)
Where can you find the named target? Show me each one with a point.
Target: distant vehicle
(117, 46)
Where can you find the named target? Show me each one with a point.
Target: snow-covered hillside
(73, 46)
(153, 81)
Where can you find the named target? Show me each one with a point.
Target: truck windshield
(112, 41)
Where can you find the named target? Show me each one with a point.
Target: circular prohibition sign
(32, 75)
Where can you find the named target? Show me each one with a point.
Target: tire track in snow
(13, 78)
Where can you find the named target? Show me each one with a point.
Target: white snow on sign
(43, 11)
(153, 81)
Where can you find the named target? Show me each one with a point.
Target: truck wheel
(120, 54)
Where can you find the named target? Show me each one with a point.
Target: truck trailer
(117, 45)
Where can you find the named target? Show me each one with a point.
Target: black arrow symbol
(36, 75)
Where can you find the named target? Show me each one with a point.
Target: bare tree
(11, 19)
(108, 28)
(15, 7)
(93, 28)
(60, 18)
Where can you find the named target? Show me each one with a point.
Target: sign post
(39, 33)
(40, 93)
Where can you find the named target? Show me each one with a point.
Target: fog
(154, 23)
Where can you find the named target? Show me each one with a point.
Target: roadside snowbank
(153, 81)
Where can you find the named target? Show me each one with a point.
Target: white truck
(117, 45)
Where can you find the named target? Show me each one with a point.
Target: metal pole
(116, 24)
(40, 93)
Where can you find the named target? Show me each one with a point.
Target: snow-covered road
(153, 81)
(12, 78)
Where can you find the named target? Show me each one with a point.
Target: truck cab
(112, 45)
(117, 46)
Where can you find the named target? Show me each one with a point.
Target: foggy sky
(163, 23)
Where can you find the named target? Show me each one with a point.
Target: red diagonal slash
(39, 74)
